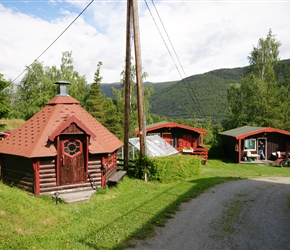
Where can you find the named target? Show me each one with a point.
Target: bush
(168, 168)
(216, 152)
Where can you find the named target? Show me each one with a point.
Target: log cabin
(61, 148)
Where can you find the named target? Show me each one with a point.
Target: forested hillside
(200, 96)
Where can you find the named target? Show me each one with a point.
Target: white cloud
(206, 36)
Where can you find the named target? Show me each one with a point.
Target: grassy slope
(113, 216)
(10, 124)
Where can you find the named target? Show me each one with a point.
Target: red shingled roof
(165, 124)
(35, 137)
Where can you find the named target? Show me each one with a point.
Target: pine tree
(95, 101)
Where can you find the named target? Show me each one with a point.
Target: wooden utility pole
(127, 85)
(142, 133)
(132, 12)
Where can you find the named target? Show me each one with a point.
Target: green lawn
(113, 216)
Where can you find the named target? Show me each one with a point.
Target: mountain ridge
(200, 96)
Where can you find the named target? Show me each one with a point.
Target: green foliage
(114, 120)
(33, 92)
(5, 97)
(264, 58)
(119, 100)
(168, 168)
(200, 96)
(10, 124)
(78, 87)
(95, 100)
(37, 87)
(216, 152)
(257, 101)
(205, 96)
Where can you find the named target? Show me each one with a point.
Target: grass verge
(114, 216)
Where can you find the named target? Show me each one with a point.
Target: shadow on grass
(159, 219)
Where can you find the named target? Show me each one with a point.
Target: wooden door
(187, 141)
(72, 167)
(167, 137)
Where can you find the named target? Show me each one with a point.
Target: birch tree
(256, 100)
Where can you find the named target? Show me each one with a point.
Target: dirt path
(246, 214)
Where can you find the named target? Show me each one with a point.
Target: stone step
(77, 196)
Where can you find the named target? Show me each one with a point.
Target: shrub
(168, 168)
(216, 152)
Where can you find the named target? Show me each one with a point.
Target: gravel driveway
(244, 214)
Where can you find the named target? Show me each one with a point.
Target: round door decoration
(72, 147)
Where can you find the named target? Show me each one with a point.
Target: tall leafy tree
(78, 87)
(284, 95)
(256, 101)
(37, 86)
(209, 136)
(33, 92)
(264, 58)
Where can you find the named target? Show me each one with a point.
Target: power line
(183, 79)
(55, 40)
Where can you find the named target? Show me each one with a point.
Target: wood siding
(72, 129)
(275, 142)
(48, 181)
(180, 138)
(95, 165)
(18, 171)
(112, 167)
(47, 175)
(229, 147)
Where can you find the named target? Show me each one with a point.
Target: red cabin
(60, 148)
(186, 139)
(241, 144)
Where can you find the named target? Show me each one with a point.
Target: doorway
(72, 161)
(264, 143)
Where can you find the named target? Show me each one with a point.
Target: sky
(178, 38)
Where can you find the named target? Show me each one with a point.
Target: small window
(250, 144)
(72, 147)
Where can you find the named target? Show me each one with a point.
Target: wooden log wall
(94, 167)
(47, 175)
(18, 171)
(47, 171)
